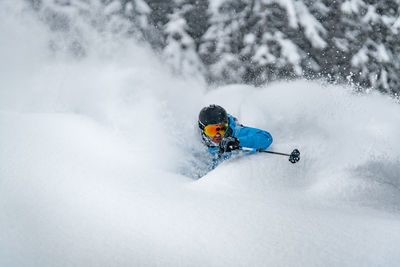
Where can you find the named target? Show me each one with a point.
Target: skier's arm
(254, 138)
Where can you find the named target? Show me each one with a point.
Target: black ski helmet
(213, 114)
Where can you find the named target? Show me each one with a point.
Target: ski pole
(293, 157)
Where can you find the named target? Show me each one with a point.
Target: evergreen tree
(180, 50)
(196, 16)
(374, 59)
(223, 41)
(161, 9)
(140, 14)
(258, 41)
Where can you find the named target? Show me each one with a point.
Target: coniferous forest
(353, 42)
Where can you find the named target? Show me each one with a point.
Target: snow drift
(100, 159)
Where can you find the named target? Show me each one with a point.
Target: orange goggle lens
(212, 130)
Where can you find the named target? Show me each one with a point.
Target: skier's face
(217, 138)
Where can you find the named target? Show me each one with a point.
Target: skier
(222, 133)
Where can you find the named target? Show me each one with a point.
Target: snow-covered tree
(375, 61)
(197, 18)
(180, 50)
(286, 32)
(139, 12)
(257, 41)
(161, 9)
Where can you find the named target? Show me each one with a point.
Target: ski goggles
(212, 130)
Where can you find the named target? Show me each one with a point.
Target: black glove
(228, 144)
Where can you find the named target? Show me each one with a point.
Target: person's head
(213, 123)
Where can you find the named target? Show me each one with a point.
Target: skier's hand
(228, 144)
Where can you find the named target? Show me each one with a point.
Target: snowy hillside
(100, 158)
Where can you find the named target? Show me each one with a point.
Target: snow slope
(99, 158)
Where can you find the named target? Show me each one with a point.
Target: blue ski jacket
(248, 137)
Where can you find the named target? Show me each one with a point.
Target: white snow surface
(99, 158)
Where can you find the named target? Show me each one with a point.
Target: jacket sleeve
(254, 138)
